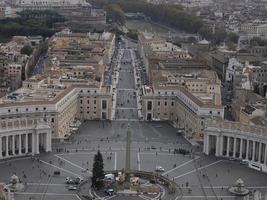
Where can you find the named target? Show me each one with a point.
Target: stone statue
(3, 195)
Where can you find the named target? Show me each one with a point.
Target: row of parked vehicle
(73, 182)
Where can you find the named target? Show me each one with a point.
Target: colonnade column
(218, 146)
(33, 143)
(228, 146)
(241, 148)
(259, 157)
(20, 147)
(7, 151)
(0, 147)
(37, 143)
(26, 143)
(253, 150)
(234, 147)
(208, 145)
(247, 150)
(13, 144)
(48, 141)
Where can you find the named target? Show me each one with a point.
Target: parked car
(71, 187)
(74, 181)
(244, 162)
(109, 192)
(159, 169)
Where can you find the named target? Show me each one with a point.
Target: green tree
(116, 14)
(219, 36)
(232, 37)
(133, 34)
(27, 49)
(231, 46)
(98, 171)
(256, 41)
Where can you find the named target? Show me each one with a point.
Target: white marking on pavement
(115, 161)
(45, 184)
(138, 161)
(75, 165)
(36, 193)
(190, 172)
(209, 197)
(65, 170)
(78, 197)
(77, 153)
(153, 153)
(167, 172)
(15, 159)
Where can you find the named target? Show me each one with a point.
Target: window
(104, 104)
(165, 103)
(17, 110)
(218, 112)
(36, 109)
(149, 105)
(44, 108)
(158, 103)
(52, 120)
(210, 112)
(27, 109)
(81, 101)
(172, 104)
(94, 101)
(8, 110)
(88, 101)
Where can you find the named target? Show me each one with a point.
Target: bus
(254, 165)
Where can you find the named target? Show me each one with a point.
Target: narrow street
(126, 107)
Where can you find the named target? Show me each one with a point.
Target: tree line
(30, 23)
(175, 16)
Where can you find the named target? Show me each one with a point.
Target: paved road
(126, 104)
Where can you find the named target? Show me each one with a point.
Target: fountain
(15, 185)
(238, 188)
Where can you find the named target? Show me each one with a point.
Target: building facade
(236, 140)
(24, 136)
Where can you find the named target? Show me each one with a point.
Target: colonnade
(18, 143)
(236, 146)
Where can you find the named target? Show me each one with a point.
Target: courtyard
(152, 144)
